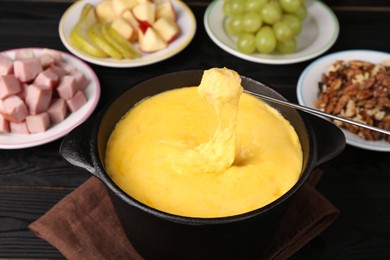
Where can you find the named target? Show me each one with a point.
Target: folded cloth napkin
(84, 225)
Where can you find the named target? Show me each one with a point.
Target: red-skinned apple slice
(105, 10)
(121, 6)
(129, 17)
(145, 13)
(150, 40)
(165, 9)
(125, 29)
(167, 29)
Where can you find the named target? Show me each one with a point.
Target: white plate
(92, 92)
(185, 20)
(307, 89)
(320, 30)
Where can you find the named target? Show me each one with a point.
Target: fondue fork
(317, 112)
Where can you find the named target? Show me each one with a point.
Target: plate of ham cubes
(44, 94)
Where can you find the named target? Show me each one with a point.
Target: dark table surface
(357, 182)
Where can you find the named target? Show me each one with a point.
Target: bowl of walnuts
(354, 84)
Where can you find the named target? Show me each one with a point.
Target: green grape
(270, 13)
(252, 22)
(226, 8)
(236, 24)
(293, 22)
(246, 43)
(230, 31)
(265, 40)
(277, 5)
(286, 47)
(290, 6)
(282, 31)
(237, 7)
(301, 12)
(254, 5)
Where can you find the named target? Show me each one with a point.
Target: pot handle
(75, 147)
(329, 138)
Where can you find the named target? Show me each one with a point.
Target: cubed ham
(59, 70)
(77, 101)
(47, 79)
(19, 128)
(22, 93)
(38, 123)
(46, 60)
(22, 54)
(6, 65)
(13, 109)
(4, 125)
(27, 69)
(57, 111)
(81, 80)
(69, 68)
(67, 87)
(9, 85)
(55, 54)
(37, 99)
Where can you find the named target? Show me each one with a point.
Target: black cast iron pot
(159, 235)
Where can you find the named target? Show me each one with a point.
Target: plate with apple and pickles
(126, 33)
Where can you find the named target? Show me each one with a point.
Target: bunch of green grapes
(265, 26)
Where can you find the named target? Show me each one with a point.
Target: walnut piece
(358, 90)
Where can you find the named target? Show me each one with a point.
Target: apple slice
(95, 34)
(165, 9)
(116, 40)
(167, 29)
(122, 5)
(79, 34)
(145, 13)
(105, 10)
(125, 29)
(145, 1)
(129, 17)
(150, 40)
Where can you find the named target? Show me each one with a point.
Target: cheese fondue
(204, 151)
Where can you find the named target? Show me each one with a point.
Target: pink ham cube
(9, 85)
(81, 80)
(77, 101)
(6, 65)
(47, 79)
(4, 125)
(57, 111)
(38, 123)
(27, 69)
(57, 56)
(59, 70)
(46, 60)
(67, 87)
(22, 54)
(13, 109)
(67, 67)
(22, 92)
(19, 128)
(37, 99)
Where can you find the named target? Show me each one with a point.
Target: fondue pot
(159, 235)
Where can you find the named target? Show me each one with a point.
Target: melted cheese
(221, 90)
(207, 151)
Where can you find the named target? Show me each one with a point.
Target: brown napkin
(84, 225)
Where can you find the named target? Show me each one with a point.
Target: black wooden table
(357, 182)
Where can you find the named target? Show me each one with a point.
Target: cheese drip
(221, 90)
